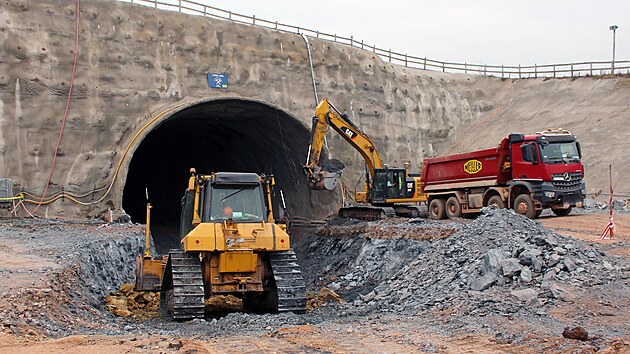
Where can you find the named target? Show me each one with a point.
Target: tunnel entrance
(228, 135)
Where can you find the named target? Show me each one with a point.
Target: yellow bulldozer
(230, 244)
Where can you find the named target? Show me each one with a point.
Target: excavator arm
(325, 174)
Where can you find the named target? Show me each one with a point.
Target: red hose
(65, 114)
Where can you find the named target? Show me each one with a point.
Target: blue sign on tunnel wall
(217, 80)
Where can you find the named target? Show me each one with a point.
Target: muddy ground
(402, 293)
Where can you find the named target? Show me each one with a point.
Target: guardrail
(588, 68)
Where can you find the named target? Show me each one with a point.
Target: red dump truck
(526, 172)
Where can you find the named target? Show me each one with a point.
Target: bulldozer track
(289, 282)
(187, 293)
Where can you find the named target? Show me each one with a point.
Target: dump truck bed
(468, 170)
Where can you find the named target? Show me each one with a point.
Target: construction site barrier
(577, 69)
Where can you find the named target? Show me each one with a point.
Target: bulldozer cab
(222, 196)
(241, 203)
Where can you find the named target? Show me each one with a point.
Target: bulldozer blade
(148, 274)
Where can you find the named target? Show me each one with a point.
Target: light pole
(612, 65)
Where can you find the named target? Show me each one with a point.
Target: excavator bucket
(149, 273)
(327, 175)
(325, 180)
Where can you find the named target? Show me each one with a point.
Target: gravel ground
(501, 276)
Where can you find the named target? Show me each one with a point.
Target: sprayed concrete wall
(138, 67)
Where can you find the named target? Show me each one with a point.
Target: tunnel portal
(232, 135)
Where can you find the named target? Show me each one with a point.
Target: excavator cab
(390, 183)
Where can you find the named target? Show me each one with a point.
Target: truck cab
(549, 165)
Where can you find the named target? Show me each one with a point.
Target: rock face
(138, 67)
(135, 62)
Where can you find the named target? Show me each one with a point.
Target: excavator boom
(325, 174)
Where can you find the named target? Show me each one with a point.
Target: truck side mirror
(579, 149)
(534, 149)
(529, 153)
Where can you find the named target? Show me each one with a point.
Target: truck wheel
(453, 208)
(524, 205)
(562, 212)
(496, 201)
(437, 209)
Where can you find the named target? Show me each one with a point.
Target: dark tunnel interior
(230, 135)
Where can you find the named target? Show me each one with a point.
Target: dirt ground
(590, 227)
(433, 331)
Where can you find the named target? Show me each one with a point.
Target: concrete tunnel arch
(227, 134)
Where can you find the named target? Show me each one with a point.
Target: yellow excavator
(386, 192)
(230, 244)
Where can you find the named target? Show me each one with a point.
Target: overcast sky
(481, 31)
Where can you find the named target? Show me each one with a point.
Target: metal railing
(588, 68)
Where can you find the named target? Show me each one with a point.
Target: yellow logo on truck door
(472, 166)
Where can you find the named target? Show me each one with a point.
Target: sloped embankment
(88, 261)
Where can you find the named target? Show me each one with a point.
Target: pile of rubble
(618, 205)
(502, 263)
(129, 303)
(358, 257)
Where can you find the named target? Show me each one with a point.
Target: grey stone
(524, 295)
(484, 282)
(510, 267)
(545, 240)
(553, 260)
(492, 260)
(526, 257)
(369, 296)
(618, 205)
(569, 265)
(537, 264)
(561, 293)
(560, 250)
(608, 266)
(526, 275)
(548, 278)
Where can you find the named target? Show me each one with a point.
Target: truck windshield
(239, 203)
(559, 152)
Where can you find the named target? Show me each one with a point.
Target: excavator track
(289, 282)
(367, 212)
(186, 298)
